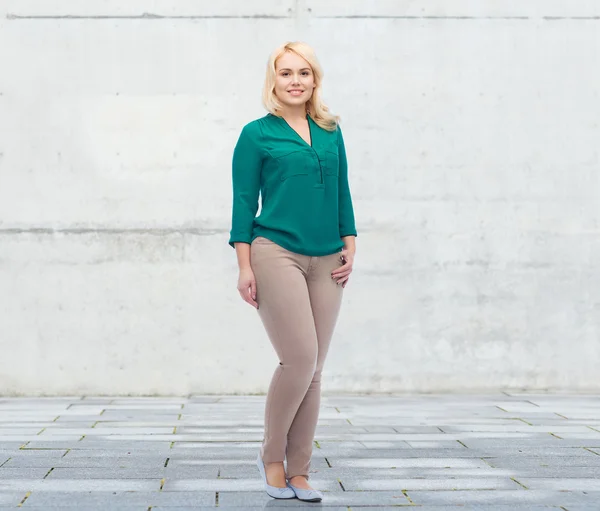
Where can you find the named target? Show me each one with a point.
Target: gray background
(471, 130)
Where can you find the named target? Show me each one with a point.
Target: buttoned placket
(321, 183)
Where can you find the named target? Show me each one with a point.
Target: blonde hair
(314, 106)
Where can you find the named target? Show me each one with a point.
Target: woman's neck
(295, 113)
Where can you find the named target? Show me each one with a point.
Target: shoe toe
(310, 495)
(314, 495)
(281, 493)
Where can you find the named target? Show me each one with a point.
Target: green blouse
(305, 196)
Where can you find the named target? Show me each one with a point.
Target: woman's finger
(251, 294)
(342, 269)
(342, 280)
(343, 274)
(247, 297)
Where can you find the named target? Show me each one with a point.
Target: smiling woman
(295, 258)
(294, 79)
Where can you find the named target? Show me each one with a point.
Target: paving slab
(234, 485)
(137, 472)
(125, 415)
(515, 428)
(438, 444)
(518, 462)
(562, 484)
(471, 483)
(524, 450)
(150, 405)
(52, 445)
(87, 508)
(93, 418)
(19, 432)
(344, 473)
(276, 507)
(47, 424)
(470, 508)
(459, 507)
(517, 498)
(81, 409)
(412, 463)
(100, 431)
(88, 462)
(405, 453)
(117, 452)
(79, 485)
(23, 473)
(111, 499)
(331, 498)
(34, 453)
(52, 440)
(10, 446)
(148, 400)
(205, 472)
(11, 498)
(93, 443)
(29, 415)
(491, 451)
(592, 437)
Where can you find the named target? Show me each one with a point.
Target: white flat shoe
(307, 495)
(274, 491)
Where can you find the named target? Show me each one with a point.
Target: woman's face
(295, 81)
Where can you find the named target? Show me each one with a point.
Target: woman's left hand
(342, 274)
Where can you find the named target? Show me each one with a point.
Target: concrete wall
(472, 135)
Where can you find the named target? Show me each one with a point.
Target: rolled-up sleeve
(346, 211)
(246, 168)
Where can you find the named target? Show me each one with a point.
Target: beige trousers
(298, 303)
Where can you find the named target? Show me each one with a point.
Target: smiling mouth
(296, 92)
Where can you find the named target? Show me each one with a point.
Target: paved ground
(501, 451)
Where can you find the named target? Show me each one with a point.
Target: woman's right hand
(247, 286)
